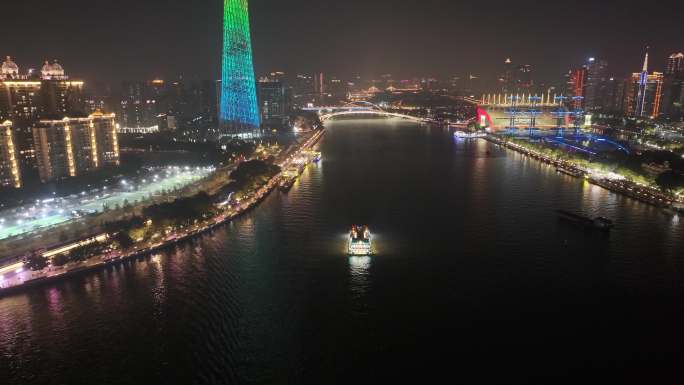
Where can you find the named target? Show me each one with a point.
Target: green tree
(60, 260)
(36, 262)
(670, 181)
(123, 239)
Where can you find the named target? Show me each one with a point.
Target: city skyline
(324, 192)
(139, 47)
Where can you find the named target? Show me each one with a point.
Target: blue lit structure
(643, 80)
(239, 111)
(513, 112)
(561, 114)
(577, 114)
(534, 112)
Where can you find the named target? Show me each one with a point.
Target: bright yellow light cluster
(93, 144)
(69, 150)
(11, 154)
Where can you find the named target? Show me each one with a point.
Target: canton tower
(239, 115)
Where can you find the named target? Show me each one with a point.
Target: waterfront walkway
(634, 190)
(17, 277)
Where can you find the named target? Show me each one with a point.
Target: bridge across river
(359, 108)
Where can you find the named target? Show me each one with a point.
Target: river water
(474, 278)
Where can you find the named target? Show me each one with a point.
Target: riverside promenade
(642, 193)
(22, 278)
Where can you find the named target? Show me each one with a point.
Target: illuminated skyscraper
(577, 82)
(274, 99)
(675, 64)
(239, 115)
(507, 77)
(26, 97)
(641, 95)
(673, 87)
(644, 95)
(597, 78)
(72, 146)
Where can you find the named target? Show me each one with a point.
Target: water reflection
(359, 268)
(473, 236)
(359, 265)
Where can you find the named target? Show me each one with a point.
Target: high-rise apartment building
(675, 63)
(615, 96)
(673, 87)
(525, 80)
(576, 86)
(72, 146)
(274, 99)
(338, 91)
(319, 83)
(140, 106)
(26, 98)
(507, 78)
(597, 77)
(106, 139)
(303, 90)
(644, 93)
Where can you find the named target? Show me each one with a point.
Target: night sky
(136, 39)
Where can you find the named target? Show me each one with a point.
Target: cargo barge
(599, 223)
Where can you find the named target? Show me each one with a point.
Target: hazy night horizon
(326, 192)
(134, 40)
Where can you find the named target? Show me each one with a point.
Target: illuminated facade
(73, 146)
(507, 85)
(644, 95)
(577, 86)
(10, 175)
(239, 111)
(141, 106)
(28, 97)
(274, 99)
(9, 69)
(596, 85)
(107, 139)
(675, 64)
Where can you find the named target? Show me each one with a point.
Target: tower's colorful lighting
(239, 110)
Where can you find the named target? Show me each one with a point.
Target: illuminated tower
(239, 115)
(641, 95)
(644, 96)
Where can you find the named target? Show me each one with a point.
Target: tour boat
(359, 241)
(469, 135)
